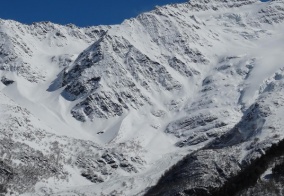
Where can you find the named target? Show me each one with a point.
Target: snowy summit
(194, 89)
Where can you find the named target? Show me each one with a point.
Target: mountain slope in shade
(108, 109)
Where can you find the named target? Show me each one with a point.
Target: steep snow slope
(34, 160)
(124, 103)
(33, 56)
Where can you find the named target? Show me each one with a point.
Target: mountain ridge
(125, 102)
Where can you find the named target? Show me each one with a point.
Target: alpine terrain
(187, 99)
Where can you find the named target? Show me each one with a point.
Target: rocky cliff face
(108, 109)
(21, 43)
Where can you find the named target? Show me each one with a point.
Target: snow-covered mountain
(107, 110)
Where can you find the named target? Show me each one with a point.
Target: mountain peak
(100, 110)
(203, 5)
